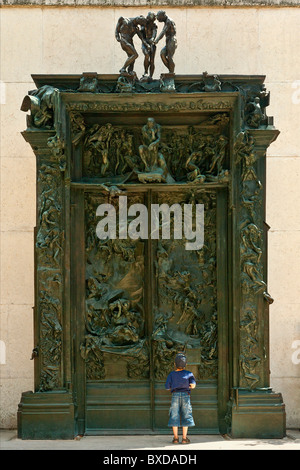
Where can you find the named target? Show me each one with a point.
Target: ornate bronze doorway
(110, 315)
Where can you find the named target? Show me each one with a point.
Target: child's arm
(192, 381)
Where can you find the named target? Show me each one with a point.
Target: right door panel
(185, 307)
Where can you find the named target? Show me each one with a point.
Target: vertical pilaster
(252, 397)
(49, 411)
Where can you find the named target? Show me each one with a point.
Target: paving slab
(163, 444)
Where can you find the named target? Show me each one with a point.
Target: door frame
(77, 300)
(204, 103)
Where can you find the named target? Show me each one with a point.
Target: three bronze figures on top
(146, 29)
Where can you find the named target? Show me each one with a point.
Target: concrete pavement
(9, 441)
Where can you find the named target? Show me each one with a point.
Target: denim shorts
(180, 412)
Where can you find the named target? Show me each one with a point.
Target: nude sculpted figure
(169, 31)
(126, 29)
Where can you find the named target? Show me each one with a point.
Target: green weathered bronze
(110, 315)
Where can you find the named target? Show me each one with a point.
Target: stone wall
(156, 3)
(69, 40)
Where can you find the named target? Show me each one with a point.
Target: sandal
(175, 440)
(186, 441)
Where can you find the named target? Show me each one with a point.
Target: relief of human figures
(49, 236)
(251, 254)
(152, 153)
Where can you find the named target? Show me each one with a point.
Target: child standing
(180, 382)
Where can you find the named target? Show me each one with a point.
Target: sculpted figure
(193, 164)
(219, 156)
(151, 138)
(129, 159)
(41, 103)
(169, 30)
(77, 127)
(153, 160)
(126, 29)
(211, 82)
(149, 31)
(256, 115)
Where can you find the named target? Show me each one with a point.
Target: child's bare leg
(175, 432)
(184, 431)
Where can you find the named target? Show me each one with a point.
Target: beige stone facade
(71, 40)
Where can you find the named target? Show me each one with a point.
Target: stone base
(258, 414)
(46, 415)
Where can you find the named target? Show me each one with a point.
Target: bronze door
(145, 300)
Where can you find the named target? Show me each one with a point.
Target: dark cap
(180, 361)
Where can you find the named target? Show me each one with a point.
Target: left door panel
(115, 347)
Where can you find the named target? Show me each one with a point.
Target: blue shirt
(179, 381)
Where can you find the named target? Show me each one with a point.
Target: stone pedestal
(259, 414)
(46, 415)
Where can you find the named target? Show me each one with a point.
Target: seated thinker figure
(180, 382)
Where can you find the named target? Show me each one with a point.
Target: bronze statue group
(146, 29)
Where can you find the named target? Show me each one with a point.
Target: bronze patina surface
(110, 315)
